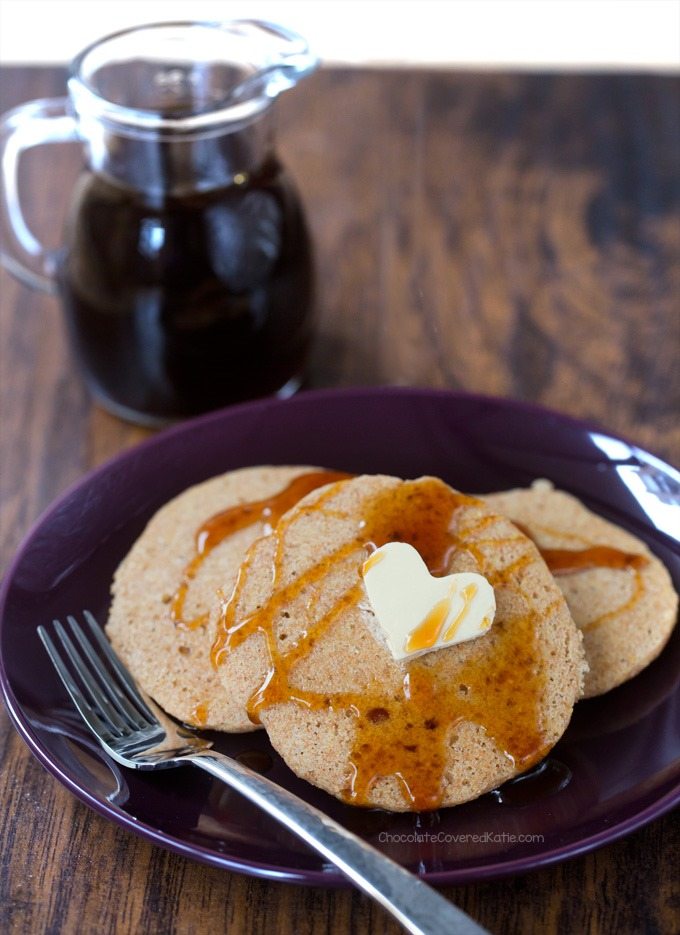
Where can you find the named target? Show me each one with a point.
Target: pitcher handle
(25, 126)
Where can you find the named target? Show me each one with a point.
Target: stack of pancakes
(242, 605)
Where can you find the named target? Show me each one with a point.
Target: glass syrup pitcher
(185, 272)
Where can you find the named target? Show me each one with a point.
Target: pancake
(298, 647)
(159, 616)
(627, 613)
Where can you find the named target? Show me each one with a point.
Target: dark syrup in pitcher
(182, 304)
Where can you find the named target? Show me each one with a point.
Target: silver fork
(137, 734)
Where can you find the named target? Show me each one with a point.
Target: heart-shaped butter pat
(419, 613)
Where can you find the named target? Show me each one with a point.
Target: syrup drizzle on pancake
(572, 561)
(199, 714)
(569, 561)
(216, 529)
(406, 733)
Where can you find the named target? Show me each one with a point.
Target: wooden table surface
(506, 234)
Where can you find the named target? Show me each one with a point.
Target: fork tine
(110, 685)
(126, 680)
(84, 708)
(98, 698)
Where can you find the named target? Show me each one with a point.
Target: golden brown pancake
(300, 651)
(165, 588)
(619, 594)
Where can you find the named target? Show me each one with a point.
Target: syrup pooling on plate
(227, 522)
(405, 733)
(546, 779)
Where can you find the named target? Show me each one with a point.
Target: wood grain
(508, 234)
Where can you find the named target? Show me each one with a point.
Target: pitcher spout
(284, 60)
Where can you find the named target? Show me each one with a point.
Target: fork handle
(419, 908)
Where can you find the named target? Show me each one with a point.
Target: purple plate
(616, 767)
